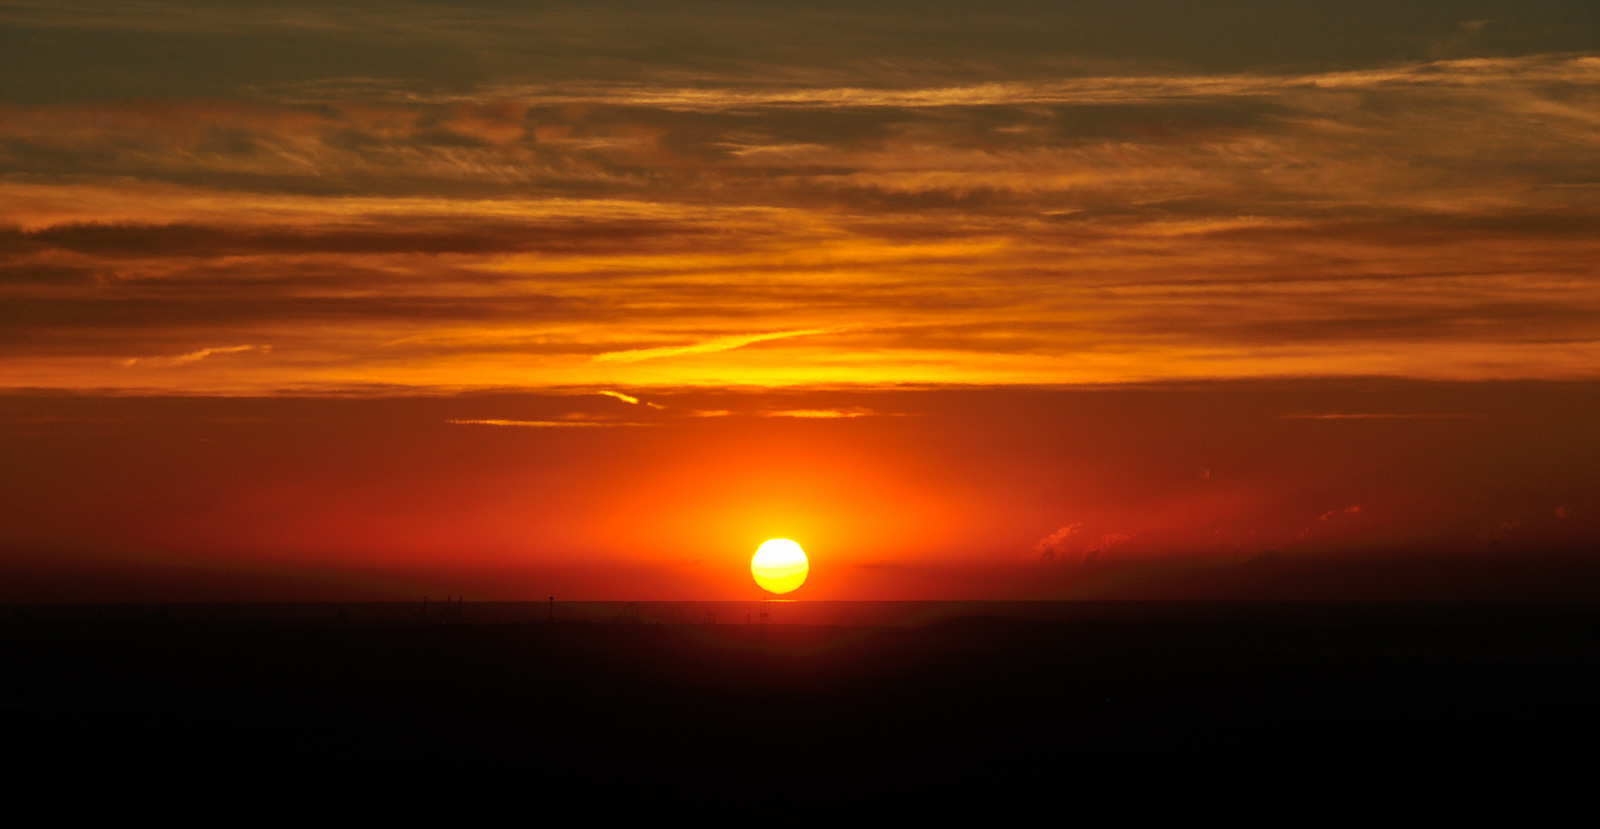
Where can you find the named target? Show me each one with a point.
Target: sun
(779, 566)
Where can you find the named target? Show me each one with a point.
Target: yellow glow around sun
(779, 566)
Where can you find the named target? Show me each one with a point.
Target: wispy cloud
(820, 413)
(630, 399)
(191, 357)
(544, 424)
(711, 346)
(1054, 545)
(1112, 223)
(1118, 89)
(1381, 416)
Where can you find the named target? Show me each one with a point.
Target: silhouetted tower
(552, 608)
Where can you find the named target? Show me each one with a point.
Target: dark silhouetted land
(839, 712)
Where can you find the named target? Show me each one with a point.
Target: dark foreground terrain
(1345, 697)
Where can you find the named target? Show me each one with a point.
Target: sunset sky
(1004, 300)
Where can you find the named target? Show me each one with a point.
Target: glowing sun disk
(779, 566)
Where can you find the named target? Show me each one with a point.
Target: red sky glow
(341, 301)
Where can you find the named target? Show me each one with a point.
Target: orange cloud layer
(1434, 219)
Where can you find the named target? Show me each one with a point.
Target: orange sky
(852, 253)
(938, 493)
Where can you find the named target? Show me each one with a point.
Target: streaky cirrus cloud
(1139, 204)
(631, 400)
(541, 424)
(820, 413)
(711, 346)
(1380, 416)
(191, 357)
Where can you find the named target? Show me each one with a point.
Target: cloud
(711, 346)
(440, 235)
(542, 424)
(1107, 224)
(1070, 543)
(44, 275)
(1104, 543)
(1331, 516)
(820, 413)
(191, 357)
(1113, 89)
(630, 399)
(1053, 546)
(1381, 416)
